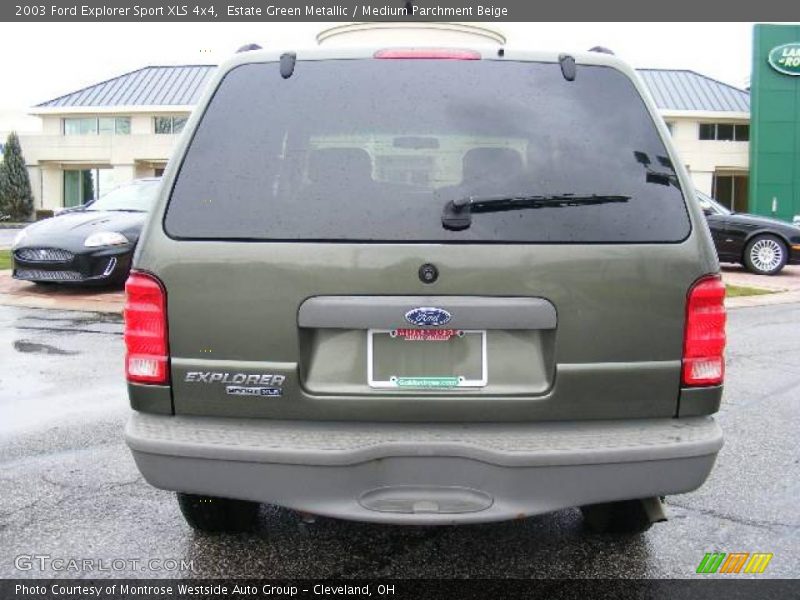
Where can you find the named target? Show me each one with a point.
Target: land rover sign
(786, 58)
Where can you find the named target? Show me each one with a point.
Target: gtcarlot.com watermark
(47, 562)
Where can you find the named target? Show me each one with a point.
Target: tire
(765, 255)
(218, 515)
(628, 516)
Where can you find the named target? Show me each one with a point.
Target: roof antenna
(567, 63)
(287, 64)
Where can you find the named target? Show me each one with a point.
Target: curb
(28, 297)
(763, 300)
(76, 304)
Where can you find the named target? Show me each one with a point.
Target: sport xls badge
(245, 384)
(238, 390)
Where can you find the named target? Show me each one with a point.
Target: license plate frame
(411, 382)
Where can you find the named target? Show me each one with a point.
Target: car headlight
(105, 238)
(18, 238)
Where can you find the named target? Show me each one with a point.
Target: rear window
(373, 150)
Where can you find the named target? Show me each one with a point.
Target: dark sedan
(92, 244)
(761, 244)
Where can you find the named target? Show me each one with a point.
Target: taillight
(704, 338)
(147, 354)
(436, 53)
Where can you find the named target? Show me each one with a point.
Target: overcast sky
(44, 60)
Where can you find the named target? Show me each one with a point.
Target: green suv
(425, 286)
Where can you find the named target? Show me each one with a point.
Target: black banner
(617, 589)
(390, 10)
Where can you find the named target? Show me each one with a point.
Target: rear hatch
(425, 240)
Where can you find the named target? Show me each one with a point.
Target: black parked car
(761, 244)
(90, 244)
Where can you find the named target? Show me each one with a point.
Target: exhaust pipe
(654, 509)
(626, 516)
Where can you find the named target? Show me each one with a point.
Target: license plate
(426, 358)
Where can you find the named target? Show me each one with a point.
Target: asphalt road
(70, 488)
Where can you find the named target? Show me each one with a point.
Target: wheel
(765, 255)
(628, 516)
(218, 515)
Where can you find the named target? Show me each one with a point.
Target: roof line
(733, 87)
(76, 94)
(110, 79)
(83, 89)
(174, 66)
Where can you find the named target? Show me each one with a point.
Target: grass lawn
(735, 291)
(5, 259)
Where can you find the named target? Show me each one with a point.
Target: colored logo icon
(734, 562)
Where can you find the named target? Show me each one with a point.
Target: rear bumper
(424, 474)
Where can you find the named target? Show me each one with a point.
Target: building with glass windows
(710, 126)
(125, 128)
(110, 133)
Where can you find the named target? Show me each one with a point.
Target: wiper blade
(500, 203)
(457, 214)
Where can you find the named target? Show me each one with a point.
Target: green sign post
(775, 122)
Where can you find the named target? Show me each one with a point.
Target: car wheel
(218, 515)
(765, 255)
(628, 516)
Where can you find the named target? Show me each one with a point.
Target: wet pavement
(70, 488)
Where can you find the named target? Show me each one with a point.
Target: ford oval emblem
(428, 316)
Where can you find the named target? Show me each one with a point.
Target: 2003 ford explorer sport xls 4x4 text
(425, 286)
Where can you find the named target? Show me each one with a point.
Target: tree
(16, 198)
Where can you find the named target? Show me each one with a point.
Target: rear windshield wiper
(457, 214)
